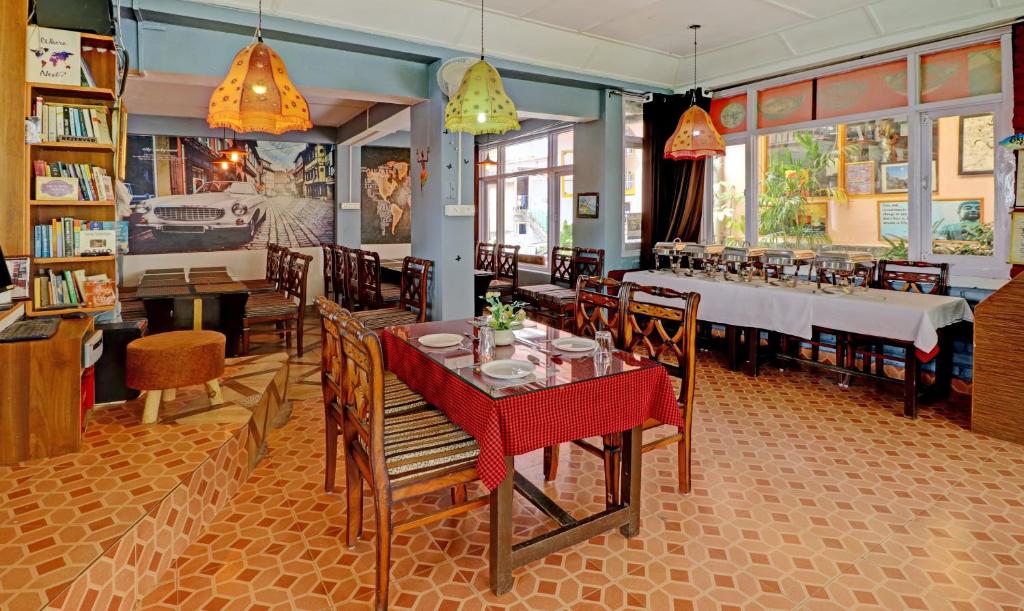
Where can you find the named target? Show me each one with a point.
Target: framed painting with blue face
(956, 220)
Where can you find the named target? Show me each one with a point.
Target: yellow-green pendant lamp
(481, 106)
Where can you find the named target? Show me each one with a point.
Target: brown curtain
(673, 190)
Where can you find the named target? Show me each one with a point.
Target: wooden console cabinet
(40, 394)
(998, 389)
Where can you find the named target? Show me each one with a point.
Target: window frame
(553, 172)
(917, 114)
(631, 248)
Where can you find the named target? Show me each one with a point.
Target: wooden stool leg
(169, 394)
(152, 409)
(213, 391)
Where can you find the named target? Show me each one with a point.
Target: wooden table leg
(501, 531)
(911, 375)
(732, 343)
(632, 450)
(753, 336)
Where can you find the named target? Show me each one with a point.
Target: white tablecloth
(910, 317)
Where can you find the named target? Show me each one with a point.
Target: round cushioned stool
(164, 362)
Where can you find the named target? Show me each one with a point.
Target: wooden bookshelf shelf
(75, 146)
(73, 91)
(70, 202)
(71, 310)
(57, 260)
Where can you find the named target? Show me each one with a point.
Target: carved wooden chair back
(332, 317)
(562, 273)
(588, 262)
(413, 296)
(507, 263)
(598, 307)
(350, 269)
(362, 394)
(664, 333)
(328, 270)
(369, 279)
(484, 257)
(275, 257)
(296, 277)
(340, 291)
(934, 279)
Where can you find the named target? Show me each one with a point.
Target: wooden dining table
(568, 396)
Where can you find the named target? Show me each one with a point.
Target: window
(527, 195)
(895, 155)
(729, 187)
(633, 139)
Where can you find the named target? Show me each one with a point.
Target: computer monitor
(6, 283)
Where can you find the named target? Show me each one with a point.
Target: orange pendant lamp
(695, 136)
(257, 95)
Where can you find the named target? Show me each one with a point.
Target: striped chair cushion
(390, 293)
(420, 442)
(501, 285)
(270, 304)
(261, 285)
(548, 295)
(386, 317)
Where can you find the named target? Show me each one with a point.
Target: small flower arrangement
(503, 315)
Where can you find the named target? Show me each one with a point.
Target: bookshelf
(98, 53)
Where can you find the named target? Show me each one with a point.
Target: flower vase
(503, 337)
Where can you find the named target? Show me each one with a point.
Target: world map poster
(386, 196)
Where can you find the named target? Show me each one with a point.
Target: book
(100, 293)
(87, 78)
(69, 287)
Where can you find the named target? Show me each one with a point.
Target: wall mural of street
(183, 201)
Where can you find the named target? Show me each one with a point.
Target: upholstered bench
(164, 362)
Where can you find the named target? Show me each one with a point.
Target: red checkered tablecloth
(514, 425)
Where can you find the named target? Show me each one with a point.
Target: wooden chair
(599, 307)
(412, 303)
(932, 280)
(271, 280)
(484, 257)
(368, 276)
(285, 309)
(506, 270)
(587, 262)
(667, 334)
(553, 302)
(350, 273)
(403, 449)
(328, 269)
(340, 293)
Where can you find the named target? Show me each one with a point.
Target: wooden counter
(40, 394)
(998, 407)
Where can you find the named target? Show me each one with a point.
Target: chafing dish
(671, 250)
(845, 267)
(785, 256)
(742, 254)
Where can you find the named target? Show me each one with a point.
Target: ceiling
(647, 41)
(182, 96)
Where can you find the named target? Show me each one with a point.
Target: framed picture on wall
(895, 177)
(893, 220)
(977, 143)
(860, 178)
(586, 205)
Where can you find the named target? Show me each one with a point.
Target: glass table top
(532, 349)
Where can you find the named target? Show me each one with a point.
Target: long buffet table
(913, 320)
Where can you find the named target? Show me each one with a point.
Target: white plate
(507, 369)
(441, 340)
(574, 344)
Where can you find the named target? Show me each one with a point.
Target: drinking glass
(602, 363)
(604, 342)
(486, 337)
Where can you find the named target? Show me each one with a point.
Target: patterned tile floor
(805, 497)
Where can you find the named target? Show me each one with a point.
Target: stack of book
(94, 184)
(72, 122)
(71, 288)
(62, 237)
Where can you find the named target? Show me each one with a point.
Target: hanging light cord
(481, 29)
(259, 22)
(693, 99)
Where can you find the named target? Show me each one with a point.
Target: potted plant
(503, 316)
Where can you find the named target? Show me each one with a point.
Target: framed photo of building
(977, 144)
(586, 205)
